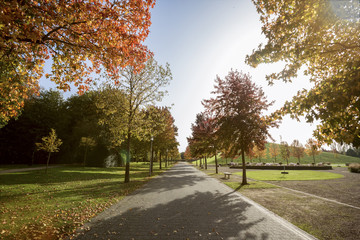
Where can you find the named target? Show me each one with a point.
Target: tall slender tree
(297, 150)
(274, 150)
(141, 88)
(238, 106)
(285, 151)
(313, 148)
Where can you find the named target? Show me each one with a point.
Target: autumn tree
(203, 139)
(49, 144)
(166, 137)
(187, 153)
(111, 104)
(297, 150)
(238, 106)
(324, 37)
(258, 152)
(285, 151)
(274, 150)
(312, 148)
(139, 90)
(161, 126)
(80, 38)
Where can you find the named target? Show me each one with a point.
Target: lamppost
(151, 157)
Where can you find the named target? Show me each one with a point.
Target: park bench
(227, 174)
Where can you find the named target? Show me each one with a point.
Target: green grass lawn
(252, 185)
(34, 204)
(299, 175)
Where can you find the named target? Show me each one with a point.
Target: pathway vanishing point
(184, 203)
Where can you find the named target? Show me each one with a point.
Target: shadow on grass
(70, 174)
(203, 215)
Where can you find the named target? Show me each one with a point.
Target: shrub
(354, 167)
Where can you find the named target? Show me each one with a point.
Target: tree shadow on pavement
(203, 215)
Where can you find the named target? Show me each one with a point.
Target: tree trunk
(205, 163)
(244, 180)
(86, 148)
(160, 160)
(47, 163)
(32, 158)
(127, 165)
(166, 159)
(216, 164)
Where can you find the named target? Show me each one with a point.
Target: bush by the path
(354, 167)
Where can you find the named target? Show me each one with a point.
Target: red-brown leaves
(81, 37)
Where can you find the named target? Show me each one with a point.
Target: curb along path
(184, 203)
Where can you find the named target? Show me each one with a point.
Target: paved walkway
(184, 203)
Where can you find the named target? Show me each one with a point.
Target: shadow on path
(203, 215)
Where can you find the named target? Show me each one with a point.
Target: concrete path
(184, 203)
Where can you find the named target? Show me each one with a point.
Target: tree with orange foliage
(274, 150)
(80, 37)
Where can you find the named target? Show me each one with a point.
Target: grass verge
(35, 205)
(293, 175)
(252, 185)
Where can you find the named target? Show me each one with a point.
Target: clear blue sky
(204, 38)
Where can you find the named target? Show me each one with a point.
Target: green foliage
(285, 151)
(123, 110)
(325, 38)
(50, 143)
(300, 175)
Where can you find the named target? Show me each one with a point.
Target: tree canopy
(323, 36)
(135, 90)
(238, 107)
(80, 38)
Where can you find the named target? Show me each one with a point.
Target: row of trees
(233, 120)
(78, 122)
(118, 117)
(285, 151)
